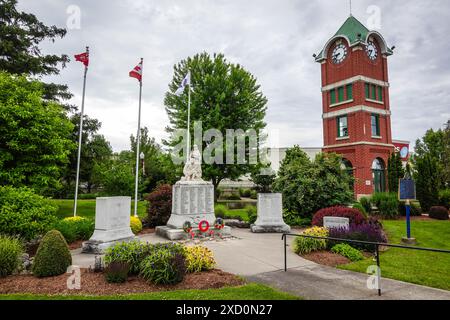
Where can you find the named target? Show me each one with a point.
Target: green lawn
(424, 268)
(250, 291)
(86, 208)
(237, 213)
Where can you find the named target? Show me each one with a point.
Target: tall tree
(95, 149)
(427, 182)
(395, 171)
(158, 167)
(435, 145)
(308, 186)
(225, 96)
(34, 136)
(20, 36)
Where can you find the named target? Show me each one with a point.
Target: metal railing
(376, 245)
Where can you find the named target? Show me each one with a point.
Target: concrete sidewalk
(260, 258)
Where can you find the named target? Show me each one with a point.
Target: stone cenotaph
(270, 214)
(112, 224)
(192, 200)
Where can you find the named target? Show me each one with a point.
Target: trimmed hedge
(53, 256)
(354, 215)
(75, 228)
(24, 213)
(438, 213)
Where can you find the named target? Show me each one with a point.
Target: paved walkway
(259, 258)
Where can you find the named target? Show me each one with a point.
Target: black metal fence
(376, 246)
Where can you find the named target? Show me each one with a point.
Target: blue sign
(407, 190)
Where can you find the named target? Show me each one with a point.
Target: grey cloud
(274, 40)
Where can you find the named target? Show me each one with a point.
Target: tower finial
(350, 7)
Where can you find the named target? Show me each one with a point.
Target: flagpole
(189, 119)
(80, 138)
(138, 142)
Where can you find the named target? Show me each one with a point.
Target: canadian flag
(83, 57)
(137, 72)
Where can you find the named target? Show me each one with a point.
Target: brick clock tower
(356, 109)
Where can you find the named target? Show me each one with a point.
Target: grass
(231, 213)
(250, 291)
(419, 267)
(86, 208)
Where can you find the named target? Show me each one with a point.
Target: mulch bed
(95, 284)
(326, 258)
(146, 231)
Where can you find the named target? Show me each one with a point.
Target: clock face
(339, 54)
(372, 51)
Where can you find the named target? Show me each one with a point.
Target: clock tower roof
(355, 33)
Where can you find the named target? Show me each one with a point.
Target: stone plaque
(196, 200)
(270, 214)
(336, 222)
(112, 223)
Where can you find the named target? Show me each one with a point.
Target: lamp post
(142, 157)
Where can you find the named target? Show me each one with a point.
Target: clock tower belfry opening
(356, 107)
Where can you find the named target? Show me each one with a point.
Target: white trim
(341, 103)
(375, 101)
(377, 137)
(342, 138)
(354, 109)
(360, 143)
(355, 79)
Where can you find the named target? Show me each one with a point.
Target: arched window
(378, 173)
(347, 166)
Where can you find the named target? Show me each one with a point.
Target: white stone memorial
(192, 200)
(336, 223)
(112, 224)
(270, 214)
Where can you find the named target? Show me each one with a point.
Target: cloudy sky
(274, 40)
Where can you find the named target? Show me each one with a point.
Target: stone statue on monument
(193, 168)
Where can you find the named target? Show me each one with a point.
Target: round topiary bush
(252, 213)
(53, 255)
(438, 213)
(135, 224)
(10, 251)
(220, 210)
(354, 215)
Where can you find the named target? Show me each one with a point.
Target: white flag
(186, 82)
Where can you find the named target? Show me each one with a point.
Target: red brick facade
(358, 144)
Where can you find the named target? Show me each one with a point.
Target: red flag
(83, 57)
(137, 72)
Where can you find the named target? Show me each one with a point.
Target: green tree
(115, 176)
(427, 182)
(34, 143)
(395, 171)
(95, 149)
(436, 145)
(20, 35)
(225, 96)
(158, 166)
(308, 186)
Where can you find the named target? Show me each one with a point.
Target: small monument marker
(112, 224)
(336, 223)
(270, 214)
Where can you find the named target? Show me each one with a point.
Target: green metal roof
(351, 28)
